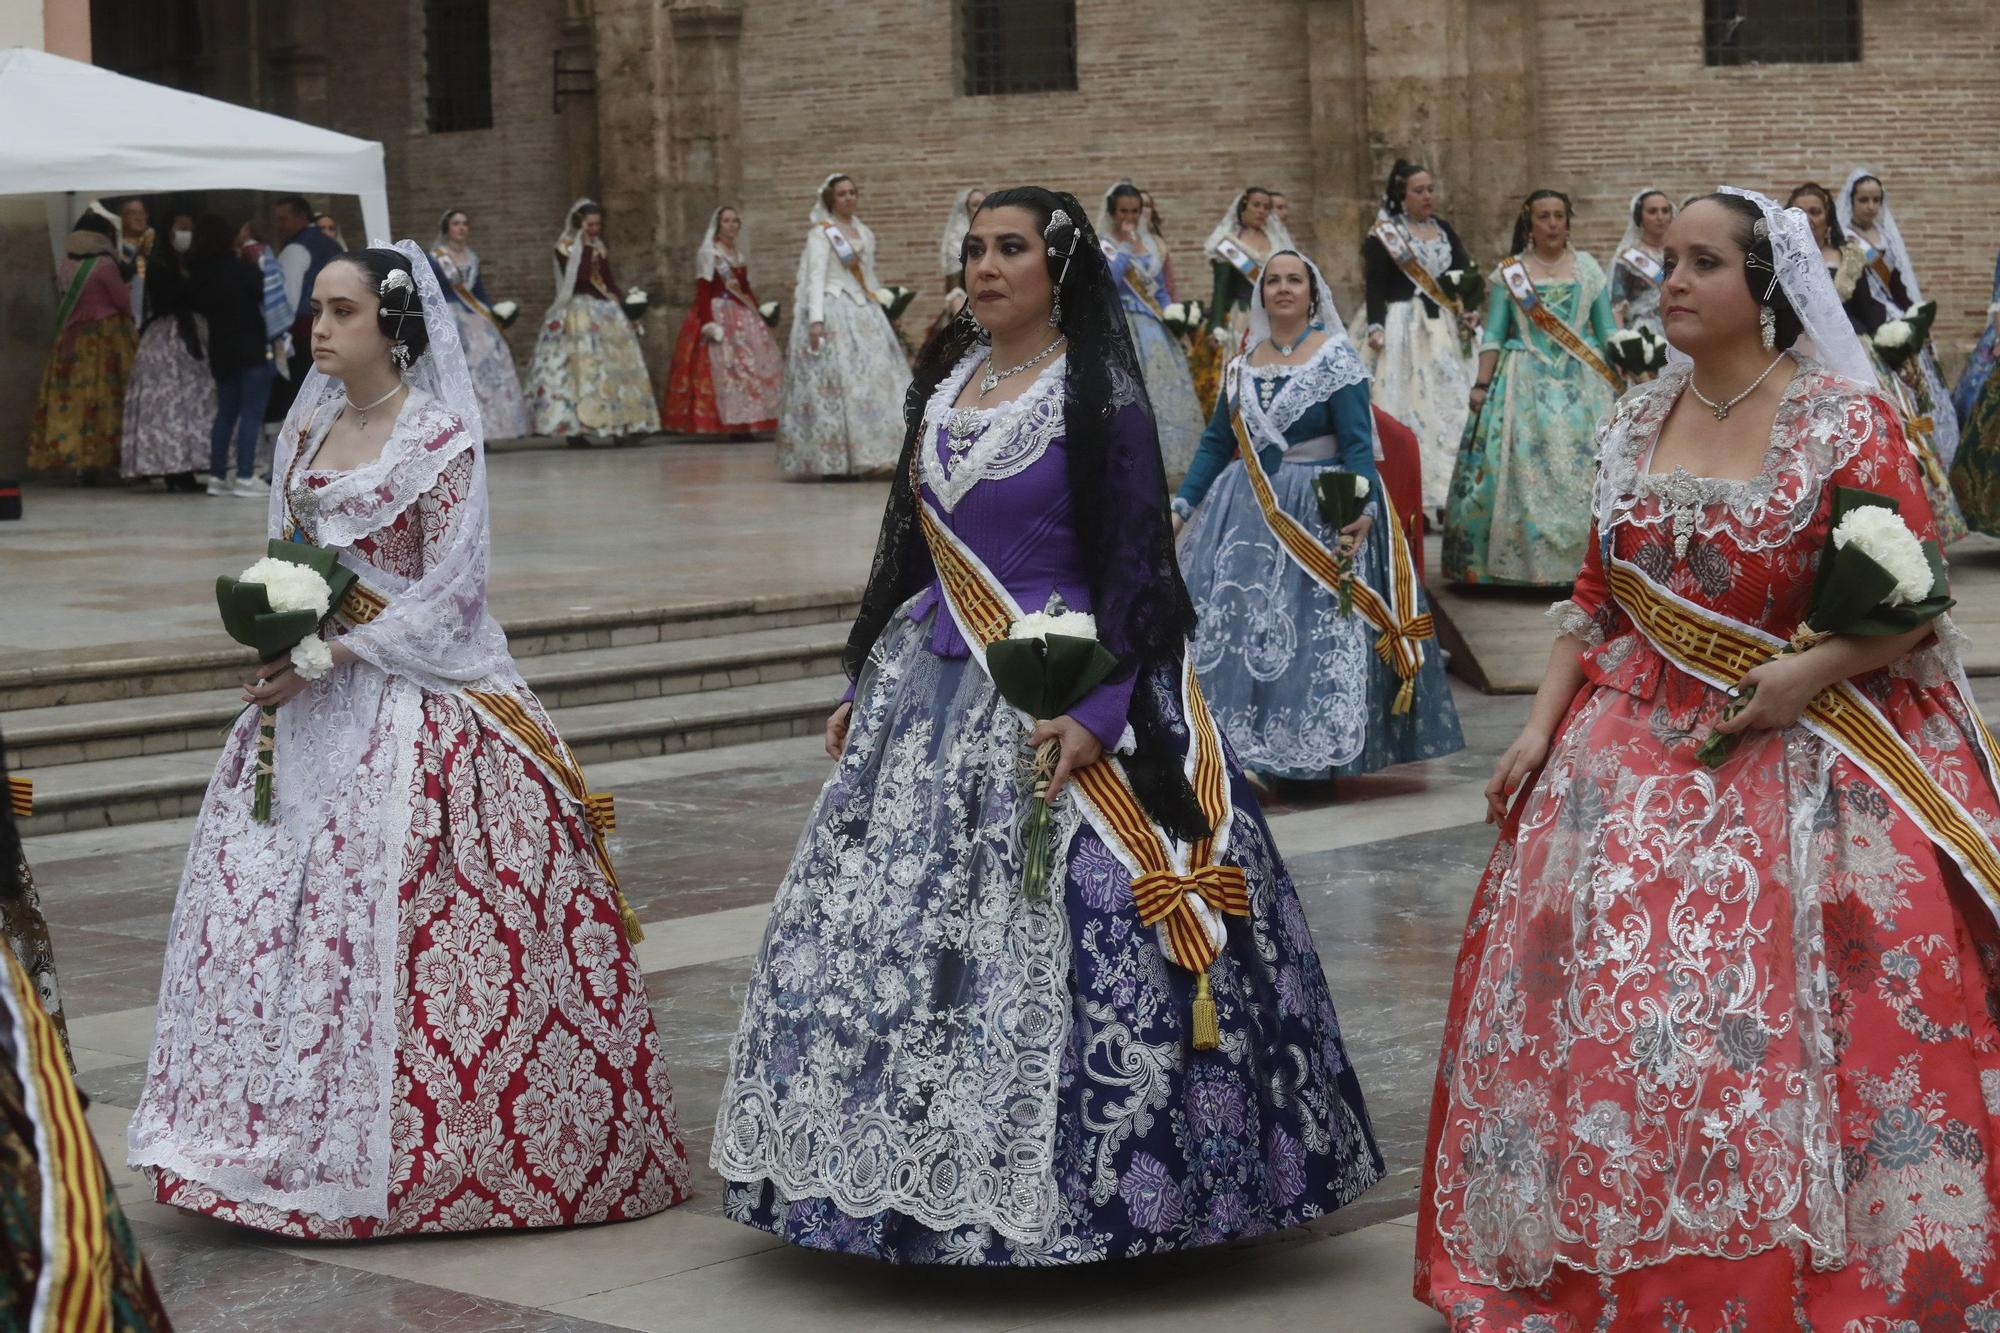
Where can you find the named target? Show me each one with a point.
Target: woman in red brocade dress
(727, 370)
(407, 1002)
(1722, 1050)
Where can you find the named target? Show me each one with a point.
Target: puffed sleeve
(1376, 267)
(1499, 313)
(818, 255)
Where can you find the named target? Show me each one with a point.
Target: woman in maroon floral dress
(407, 1002)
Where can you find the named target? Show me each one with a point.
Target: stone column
(575, 93)
(704, 149)
(634, 93)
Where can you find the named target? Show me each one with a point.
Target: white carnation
(1884, 538)
(312, 657)
(289, 587)
(506, 309)
(883, 296)
(1041, 624)
(1176, 313)
(1624, 338)
(636, 295)
(1361, 488)
(769, 310)
(1896, 334)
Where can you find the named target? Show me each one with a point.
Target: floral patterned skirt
(502, 410)
(1164, 366)
(722, 388)
(588, 374)
(1297, 687)
(841, 414)
(169, 405)
(1722, 1050)
(932, 1068)
(1422, 377)
(80, 408)
(525, 1085)
(1518, 511)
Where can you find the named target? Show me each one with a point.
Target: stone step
(63, 680)
(138, 788)
(73, 733)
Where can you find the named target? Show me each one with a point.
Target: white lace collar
(1816, 431)
(987, 443)
(1333, 366)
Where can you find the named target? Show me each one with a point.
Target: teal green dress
(1975, 472)
(1519, 508)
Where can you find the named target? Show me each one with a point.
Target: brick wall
(1623, 110)
(1192, 99)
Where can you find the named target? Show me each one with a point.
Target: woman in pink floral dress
(407, 1002)
(1722, 1050)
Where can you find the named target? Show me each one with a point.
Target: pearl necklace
(1721, 410)
(991, 379)
(361, 413)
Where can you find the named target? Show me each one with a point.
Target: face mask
(182, 240)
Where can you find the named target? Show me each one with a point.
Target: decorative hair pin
(1057, 221)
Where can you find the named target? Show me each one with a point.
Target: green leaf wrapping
(1339, 503)
(1045, 678)
(246, 611)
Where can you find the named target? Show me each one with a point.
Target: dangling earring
(1768, 324)
(1055, 312)
(400, 354)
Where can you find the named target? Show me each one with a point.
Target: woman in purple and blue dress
(934, 1066)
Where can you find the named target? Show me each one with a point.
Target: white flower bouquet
(637, 301)
(894, 300)
(1175, 316)
(1343, 498)
(1876, 580)
(275, 607)
(1639, 352)
(506, 312)
(1900, 340)
(1467, 286)
(1047, 662)
(770, 311)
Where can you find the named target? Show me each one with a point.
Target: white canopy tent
(76, 132)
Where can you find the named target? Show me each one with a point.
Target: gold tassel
(1405, 696)
(1207, 1035)
(629, 919)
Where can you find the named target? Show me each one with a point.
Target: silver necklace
(1721, 410)
(361, 413)
(991, 379)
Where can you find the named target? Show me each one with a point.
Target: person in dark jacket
(229, 292)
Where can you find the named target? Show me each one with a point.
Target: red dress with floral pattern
(1721, 1053)
(727, 381)
(529, 1087)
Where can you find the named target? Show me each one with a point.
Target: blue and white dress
(1296, 686)
(1162, 359)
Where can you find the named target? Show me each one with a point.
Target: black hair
(1835, 237)
(1117, 486)
(1312, 288)
(1244, 198)
(213, 238)
(1856, 184)
(297, 203)
(97, 222)
(400, 314)
(1398, 185)
(1639, 204)
(1759, 269)
(1523, 223)
(1122, 190)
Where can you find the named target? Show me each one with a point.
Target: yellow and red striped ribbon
(73, 1287)
(20, 795)
(1718, 650)
(985, 612)
(554, 756)
(1401, 628)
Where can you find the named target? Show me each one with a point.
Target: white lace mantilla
(987, 443)
(1822, 422)
(1332, 367)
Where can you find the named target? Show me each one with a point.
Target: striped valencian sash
(844, 251)
(1181, 891)
(1238, 258)
(1718, 650)
(20, 795)
(555, 758)
(1643, 264)
(1402, 629)
(1397, 242)
(1536, 311)
(463, 288)
(73, 1279)
(1134, 283)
